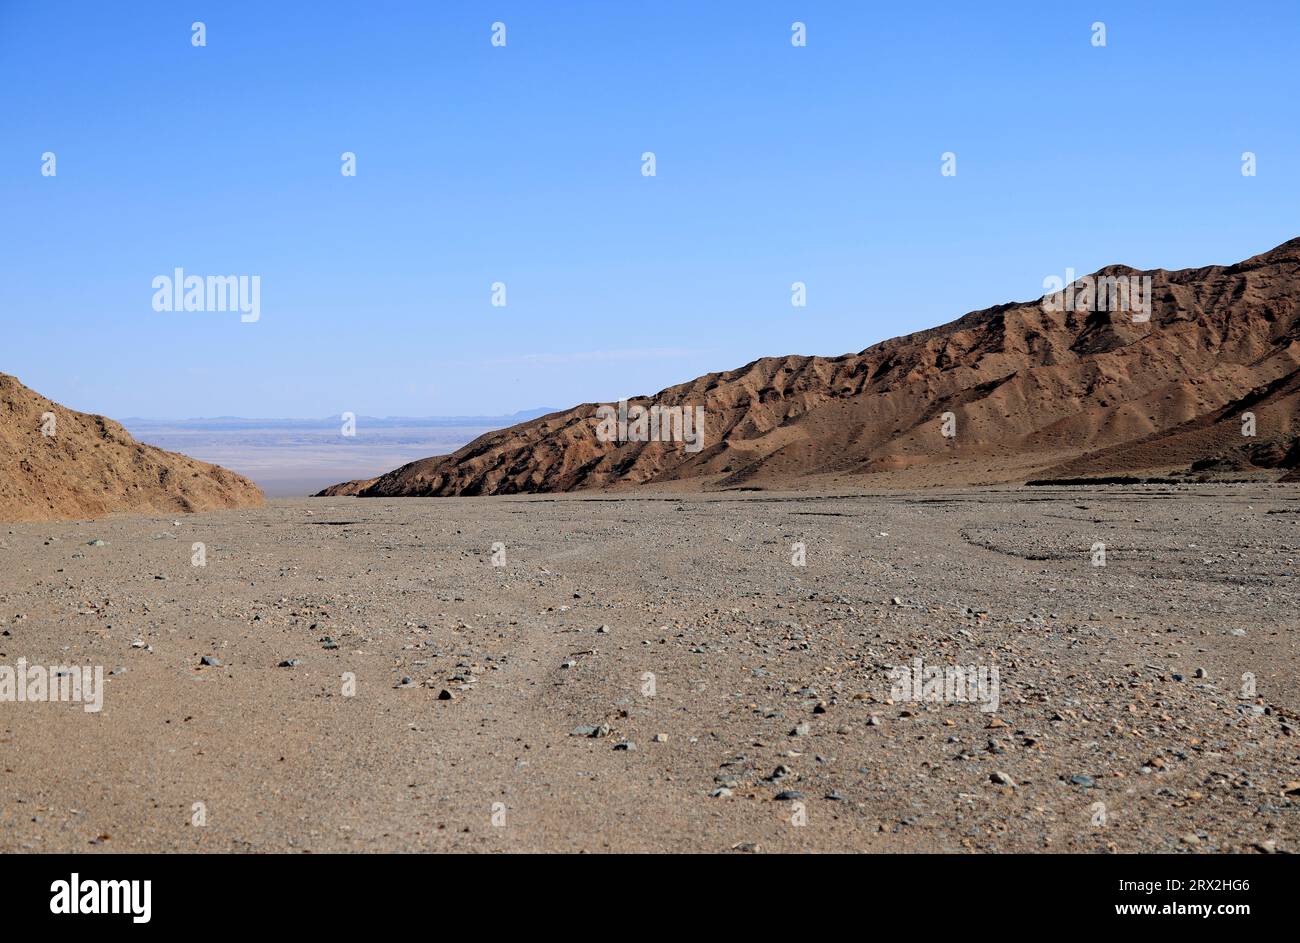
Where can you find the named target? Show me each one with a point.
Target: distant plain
(298, 457)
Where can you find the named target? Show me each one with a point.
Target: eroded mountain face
(1040, 390)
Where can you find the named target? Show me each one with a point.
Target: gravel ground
(654, 673)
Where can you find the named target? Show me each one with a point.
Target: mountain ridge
(1035, 394)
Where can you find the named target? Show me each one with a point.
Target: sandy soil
(1127, 677)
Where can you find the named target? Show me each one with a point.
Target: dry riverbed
(652, 672)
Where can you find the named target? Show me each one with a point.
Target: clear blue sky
(521, 164)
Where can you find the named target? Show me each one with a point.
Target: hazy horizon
(296, 457)
(517, 414)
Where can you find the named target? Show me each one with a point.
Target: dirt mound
(56, 463)
(1065, 386)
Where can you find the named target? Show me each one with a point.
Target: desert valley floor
(724, 676)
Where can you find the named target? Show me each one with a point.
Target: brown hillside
(1036, 394)
(91, 466)
(346, 488)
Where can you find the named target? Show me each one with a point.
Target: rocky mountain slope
(56, 463)
(346, 488)
(1036, 392)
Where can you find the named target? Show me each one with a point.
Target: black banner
(139, 893)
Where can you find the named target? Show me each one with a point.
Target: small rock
(210, 660)
(289, 663)
(660, 738)
(788, 795)
(445, 695)
(1002, 779)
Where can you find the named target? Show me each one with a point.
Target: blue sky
(522, 164)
